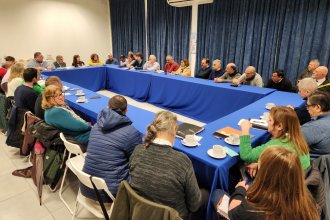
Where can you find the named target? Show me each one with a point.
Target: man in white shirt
(151, 65)
(320, 75)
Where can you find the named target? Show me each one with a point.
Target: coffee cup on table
(190, 139)
(81, 99)
(234, 138)
(219, 151)
(79, 92)
(270, 105)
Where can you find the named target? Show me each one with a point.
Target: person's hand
(218, 80)
(290, 106)
(235, 81)
(89, 123)
(245, 126)
(252, 169)
(242, 183)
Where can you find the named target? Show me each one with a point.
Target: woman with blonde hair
(283, 125)
(59, 115)
(278, 192)
(184, 69)
(15, 79)
(163, 175)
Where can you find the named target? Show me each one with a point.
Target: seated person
(39, 63)
(24, 95)
(250, 77)
(15, 79)
(122, 60)
(230, 74)
(59, 115)
(52, 80)
(111, 60)
(306, 87)
(9, 61)
(170, 65)
(205, 70)
(283, 125)
(279, 82)
(59, 62)
(278, 192)
(320, 75)
(138, 64)
(160, 173)
(77, 62)
(184, 69)
(216, 70)
(95, 60)
(111, 143)
(37, 87)
(130, 60)
(151, 65)
(308, 72)
(316, 131)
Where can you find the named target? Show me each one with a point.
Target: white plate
(80, 94)
(81, 101)
(227, 140)
(269, 108)
(189, 144)
(64, 88)
(211, 154)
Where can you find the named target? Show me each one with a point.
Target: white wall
(55, 27)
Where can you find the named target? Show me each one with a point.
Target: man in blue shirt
(111, 60)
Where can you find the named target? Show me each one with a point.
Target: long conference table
(211, 173)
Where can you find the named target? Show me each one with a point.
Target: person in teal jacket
(59, 115)
(283, 125)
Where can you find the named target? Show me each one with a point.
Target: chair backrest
(72, 148)
(84, 178)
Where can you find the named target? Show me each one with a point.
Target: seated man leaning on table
(59, 63)
(230, 74)
(39, 63)
(151, 65)
(250, 77)
(111, 143)
(170, 65)
(111, 60)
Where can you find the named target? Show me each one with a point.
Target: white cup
(81, 99)
(218, 150)
(234, 138)
(270, 105)
(190, 139)
(265, 116)
(79, 92)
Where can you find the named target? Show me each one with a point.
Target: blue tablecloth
(92, 78)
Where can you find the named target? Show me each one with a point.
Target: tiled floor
(18, 196)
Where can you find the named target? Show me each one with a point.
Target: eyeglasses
(58, 95)
(308, 106)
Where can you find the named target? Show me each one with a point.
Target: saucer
(82, 101)
(80, 94)
(269, 107)
(189, 144)
(227, 140)
(211, 154)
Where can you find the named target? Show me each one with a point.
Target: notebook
(186, 128)
(223, 206)
(226, 132)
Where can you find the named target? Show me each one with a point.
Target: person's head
(231, 68)
(16, 71)
(184, 63)
(318, 103)
(306, 87)
(38, 57)
(205, 63)
(250, 72)
(122, 58)
(169, 59)
(30, 75)
(52, 96)
(54, 80)
(313, 64)
(283, 123)
(130, 57)
(320, 72)
(9, 61)
(139, 56)
(110, 56)
(95, 58)
(59, 59)
(216, 66)
(118, 103)
(279, 189)
(277, 75)
(164, 126)
(152, 59)
(76, 59)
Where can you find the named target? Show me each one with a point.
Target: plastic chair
(91, 205)
(78, 161)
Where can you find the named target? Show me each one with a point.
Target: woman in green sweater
(283, 125)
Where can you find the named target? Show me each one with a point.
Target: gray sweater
(165, 176)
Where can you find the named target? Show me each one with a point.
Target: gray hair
(316, 61)
(308, 84)
(217, 61)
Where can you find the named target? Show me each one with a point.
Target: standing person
(95, 60)
(59, 63)
(278, 192)
(205, 70)
(111, 143)
(170, 65)
(164, 175)
(279, 82)
(77, 62)
(111, 60)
